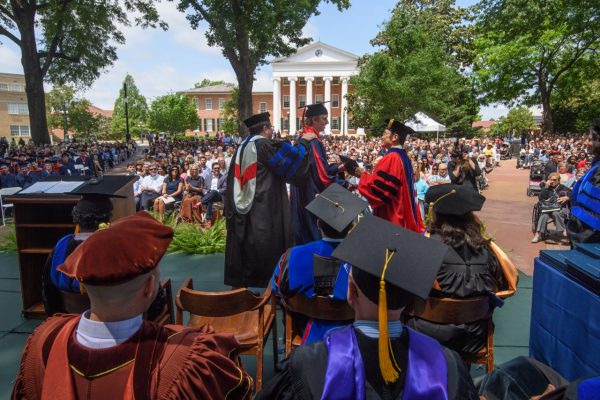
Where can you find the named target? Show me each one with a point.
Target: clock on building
(318, 52)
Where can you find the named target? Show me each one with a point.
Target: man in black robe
(374, 358)
(257, 208)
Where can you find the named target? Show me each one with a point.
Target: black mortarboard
(390, 264)
(313, 110)
(22, 164)
(95, 198)
(65, 154)
(257, 120)
(55, 159)
(336, 206)
(451, 199)
(398, 127)
(415, 259)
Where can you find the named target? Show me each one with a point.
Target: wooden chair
(317, 307)
(460, 311)
(77, 303)
(247, 316)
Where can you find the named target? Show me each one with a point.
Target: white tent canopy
(424, 123)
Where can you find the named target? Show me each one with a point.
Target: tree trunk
(547, 122)
(34, 79)
(244, 102)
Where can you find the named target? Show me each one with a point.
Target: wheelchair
(565, 211)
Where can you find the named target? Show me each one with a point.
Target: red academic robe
(390, 191)
(157, 362)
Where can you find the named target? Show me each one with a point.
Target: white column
(276, 104)
(328, 80)
(293, 106)
(309, 94)
(344, 119)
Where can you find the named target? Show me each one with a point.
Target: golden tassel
(389, 371)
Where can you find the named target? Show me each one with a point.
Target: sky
(162, 62)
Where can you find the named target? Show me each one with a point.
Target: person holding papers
(172, 191)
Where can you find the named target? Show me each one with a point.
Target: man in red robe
(110, 352)
(389, 189)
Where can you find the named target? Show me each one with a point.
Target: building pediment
(317, 53)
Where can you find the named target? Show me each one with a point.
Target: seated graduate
(309, 269)
(377, 357)
(470, 267)
(91, 212)
(525, 378)
(110, 352)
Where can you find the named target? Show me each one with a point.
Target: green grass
(8, 241)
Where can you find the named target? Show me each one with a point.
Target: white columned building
(276, 104)
(315, 73)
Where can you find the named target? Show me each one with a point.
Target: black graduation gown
(256, 240)
(302, 375)
(463, 274)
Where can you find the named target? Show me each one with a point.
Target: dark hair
(595, 138)
(332, 233)
(255, 130)
(90, 221)
(458, 230)
(215, 163)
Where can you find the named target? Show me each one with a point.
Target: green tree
(66, 41)
(417, 69)
(172, 113)
(207, 82)
(518, 119)
(62, 101)
(526, 48)
(230, 113)
(137, 109)
(248, 31)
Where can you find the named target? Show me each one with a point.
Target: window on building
(196, 103)
(335, 100)
(335, 123)
(286, 101)
(208, 104)
(221, 103)
(286, 123)
(318, 98)
(302, 81)
(262, 107)
(318, 80)
(16, 87)
(336, 80)
(350, 124)
(18, 109)
(209, 124)
(285, 81)
(3, 87)
(19, 130)
(220, 123)
(301, 100)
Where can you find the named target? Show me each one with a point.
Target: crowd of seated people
(24, 165)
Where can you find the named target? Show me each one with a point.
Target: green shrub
(193, 239)
(8, 241)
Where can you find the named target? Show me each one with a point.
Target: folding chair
(3, 193)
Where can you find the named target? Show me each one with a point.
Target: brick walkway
(507, 215)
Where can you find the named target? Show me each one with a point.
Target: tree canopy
(517, 120)
(137, 110)
(172, 113)
(207, 82)
(526, 49)
(418, 69)
(249, 31)
(67, 41)
(62, 102)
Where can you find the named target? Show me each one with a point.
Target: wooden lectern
(41, 219)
